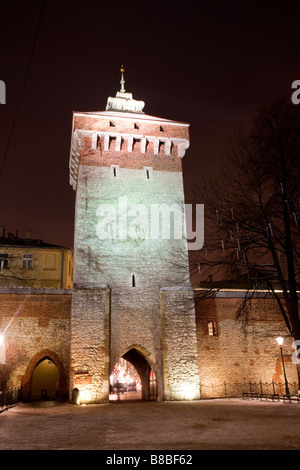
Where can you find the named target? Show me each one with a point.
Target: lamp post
(280, 343)
(2, 350)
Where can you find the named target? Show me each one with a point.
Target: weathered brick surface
(244, 349)
(135, 323)
(157, 322)
(90, 343)
(102, 123)
(39, 320)
(114, 261)
(135, 159)
(179, 341)
(161, 140)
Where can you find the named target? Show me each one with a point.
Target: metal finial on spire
(122, 82)
(123, 101)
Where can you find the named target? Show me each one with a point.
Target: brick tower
(132, 297)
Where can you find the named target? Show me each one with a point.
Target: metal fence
(13, 396)
(237, 390)
(9, 398)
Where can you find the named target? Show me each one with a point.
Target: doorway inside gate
(44, 381)
(132, 379)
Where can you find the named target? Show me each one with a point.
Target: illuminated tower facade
(132, 296)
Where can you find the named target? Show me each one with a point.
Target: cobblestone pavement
(136, 425)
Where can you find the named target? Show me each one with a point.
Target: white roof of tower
(123, 101)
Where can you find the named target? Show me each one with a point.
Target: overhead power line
(23, 88)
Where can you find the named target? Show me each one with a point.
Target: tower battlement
(123, 135)
(128, 140)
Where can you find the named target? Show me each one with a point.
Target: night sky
(212, 64)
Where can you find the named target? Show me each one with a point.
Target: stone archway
(44, 381)
(137, 357)
(62, 388)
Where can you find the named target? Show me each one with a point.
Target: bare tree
(252, 211)
(11, 275)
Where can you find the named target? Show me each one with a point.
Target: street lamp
(2, 350)
(280, 343)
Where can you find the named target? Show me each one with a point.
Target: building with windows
(29, 262)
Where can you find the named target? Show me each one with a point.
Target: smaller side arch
(62, 391)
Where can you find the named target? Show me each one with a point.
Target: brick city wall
(238, 353)
(243, 348)
(108, 323)
(179, 344)
(136, 324)
(39, 327)
(90, 343)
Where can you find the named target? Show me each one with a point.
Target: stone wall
(90, 343)
(37, 326)
(135, 323)
(159, 324)
(243, 347)
(179, 344)
(134, 268)
(153, 260)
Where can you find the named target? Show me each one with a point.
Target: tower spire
(123, 101)
(122, 81)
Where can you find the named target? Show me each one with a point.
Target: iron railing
(9, 398)
(237, 390)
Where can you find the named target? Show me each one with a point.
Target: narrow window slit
(212, 328)
(133, 280)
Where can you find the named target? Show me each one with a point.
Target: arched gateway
(131, 271)
(137, 357)
(35, 390)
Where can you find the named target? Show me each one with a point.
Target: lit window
(3, 261)
(27, 261)
(212, 328)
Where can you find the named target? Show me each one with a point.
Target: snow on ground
(136, 425)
